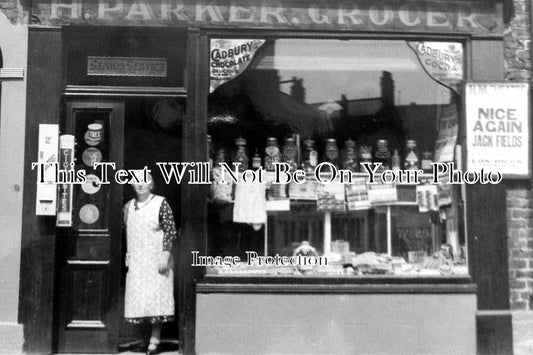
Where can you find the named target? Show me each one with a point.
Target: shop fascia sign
(366, 15)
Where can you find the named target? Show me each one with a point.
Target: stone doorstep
(522, 332)
(522, 316)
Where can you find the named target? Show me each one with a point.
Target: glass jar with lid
(290, 153)
(272, 153)
(241, 156)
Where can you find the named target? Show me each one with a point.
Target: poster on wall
(230, 57)
(497, 128)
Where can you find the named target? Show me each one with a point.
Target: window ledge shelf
(347, 285)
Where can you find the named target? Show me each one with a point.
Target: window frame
(203, 62)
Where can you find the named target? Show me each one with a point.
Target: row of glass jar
(349, 158)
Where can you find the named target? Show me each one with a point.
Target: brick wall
(520, 239)
(519, 195)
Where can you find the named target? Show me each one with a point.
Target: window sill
(335, 284)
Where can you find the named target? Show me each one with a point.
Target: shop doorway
(132, 133)
(152, 134)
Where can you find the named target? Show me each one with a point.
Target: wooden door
(90, 251)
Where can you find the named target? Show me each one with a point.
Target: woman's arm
(166, 221)
(125, 227)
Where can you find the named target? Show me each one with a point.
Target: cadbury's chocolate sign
(366, 15)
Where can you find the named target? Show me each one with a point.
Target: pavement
(167, 347)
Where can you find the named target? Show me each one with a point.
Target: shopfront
(326, 265)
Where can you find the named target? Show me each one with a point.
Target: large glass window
(342, 102)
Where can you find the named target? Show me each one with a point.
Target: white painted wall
(14, 48)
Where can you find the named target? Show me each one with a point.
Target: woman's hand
(163, 262)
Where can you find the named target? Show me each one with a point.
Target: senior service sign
(497, 128)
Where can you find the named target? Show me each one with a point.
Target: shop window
(342, 102)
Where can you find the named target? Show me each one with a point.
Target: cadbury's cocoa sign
(367, 15)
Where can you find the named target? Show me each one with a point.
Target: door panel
(90, 251)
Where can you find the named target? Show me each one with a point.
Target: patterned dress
(150, 231)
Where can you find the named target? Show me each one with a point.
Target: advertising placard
(497, 128)
(442, 61)
(46, 189)
(447, 136)
(126, 66)
(64, 206)
(230, 57)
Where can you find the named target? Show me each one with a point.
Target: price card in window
(331, 197)
(382, 194)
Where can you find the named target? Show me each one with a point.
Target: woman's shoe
(153, 348)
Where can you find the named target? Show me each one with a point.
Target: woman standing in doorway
(150, 232)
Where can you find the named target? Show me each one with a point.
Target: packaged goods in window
(444, 193)
(250, 202)
(331, 197)
(427, 198)
(416, 256)
(412, 161)
(241, 156)
(290, 153)
(372, 263)
(357, 195)
(340, 247)
(221, 189)
(382, 155)
(275, 191)
(272, 153)
(349, 156)
(382, 194)
(305, 191)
